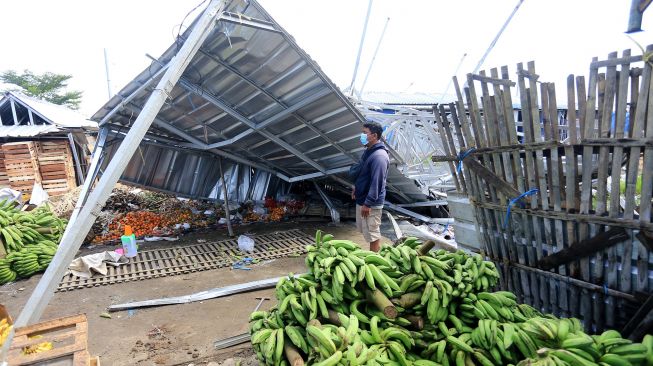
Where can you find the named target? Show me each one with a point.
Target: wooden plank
(638, 120)
(526, 236)
(478, 137)
(615, 188)
(647, 182)
(530, 165)
(491, 178)
(447, 144)
(540, 169)
(585, 248)
(586, 192)
(540, 174)
(573, 192)
(482, 216)
(580, 218)
(556, 175)
(492, 217)
(637, 318)
(490, 126)
(461, 142)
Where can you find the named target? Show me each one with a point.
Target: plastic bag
(245, 243)
(10, 195)
(39, 195)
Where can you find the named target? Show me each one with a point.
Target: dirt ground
(174, 334)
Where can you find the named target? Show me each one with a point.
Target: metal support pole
(93, 169)
(496, 39)
(360, 49)
(226, 199)
(78, 163)
(446, 90)
(106, 70)
(13, 111)
(335, 215)
(76, 230)
(369, 69)
(417, 216)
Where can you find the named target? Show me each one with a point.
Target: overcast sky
(423, 45)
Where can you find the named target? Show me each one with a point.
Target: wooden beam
(584, 249)
(638, 317)
(501, 185)
(646, 238)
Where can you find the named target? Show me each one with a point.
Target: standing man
(369, 190)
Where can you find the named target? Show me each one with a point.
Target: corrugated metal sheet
(252, 95)
(27, 131)
(192, 174)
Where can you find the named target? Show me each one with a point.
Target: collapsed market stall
(236, 90)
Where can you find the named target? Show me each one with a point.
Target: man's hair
(374, 128)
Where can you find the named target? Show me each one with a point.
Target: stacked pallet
(49, 163)
(4, 180)
(21, 165)
(56, 167)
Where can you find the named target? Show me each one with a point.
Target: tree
(47, 86)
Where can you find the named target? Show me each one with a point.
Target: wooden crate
(56, 166)
(21, 165)
(69, 336)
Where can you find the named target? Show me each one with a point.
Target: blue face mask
(363, 139)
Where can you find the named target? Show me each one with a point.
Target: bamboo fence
(580, 244)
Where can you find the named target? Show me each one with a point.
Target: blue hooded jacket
(370, 183)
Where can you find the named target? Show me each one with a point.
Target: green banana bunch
(447, 314)
(7, 274)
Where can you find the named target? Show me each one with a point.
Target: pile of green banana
(441, 313)
(30, 238)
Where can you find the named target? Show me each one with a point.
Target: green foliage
(47, 86)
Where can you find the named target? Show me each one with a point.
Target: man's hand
(353, 193)
(365, 211)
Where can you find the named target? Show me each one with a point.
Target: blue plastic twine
(515, 200)
(462, 157)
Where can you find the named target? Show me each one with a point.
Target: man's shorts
(371, 225)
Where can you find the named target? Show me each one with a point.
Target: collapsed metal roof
(253, 96)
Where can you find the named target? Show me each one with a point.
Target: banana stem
(426, 247)
(417, 322)
(382, 303)
(292, 353)
(409, 300)
(333, 318)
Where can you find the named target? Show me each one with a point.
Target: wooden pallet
(47, 162)
(21, 165)
(68, 335)
(56, 166)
